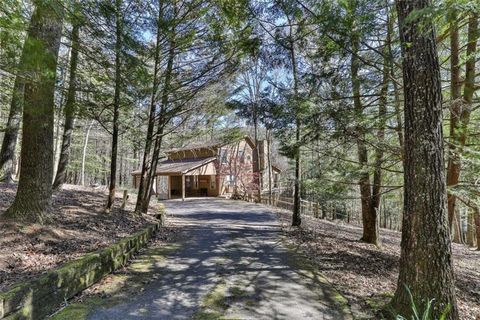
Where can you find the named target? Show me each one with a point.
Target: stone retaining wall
(37, 298)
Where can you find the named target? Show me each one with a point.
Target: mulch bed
(367, 275)
(79, 225)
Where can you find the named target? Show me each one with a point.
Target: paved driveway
(230, 263)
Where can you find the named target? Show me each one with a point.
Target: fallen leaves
(78, 226)
(362, 271)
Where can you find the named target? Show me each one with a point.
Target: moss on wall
(35, 299)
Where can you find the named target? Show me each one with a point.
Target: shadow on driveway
(229, 263)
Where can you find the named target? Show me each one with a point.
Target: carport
(182, 178)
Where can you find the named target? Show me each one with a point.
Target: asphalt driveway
(230, 262)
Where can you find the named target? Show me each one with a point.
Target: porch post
(169, 188)
(183, 187)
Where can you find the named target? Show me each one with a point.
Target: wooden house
(213, 169)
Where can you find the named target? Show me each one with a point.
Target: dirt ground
(79, 225)
(367, 275)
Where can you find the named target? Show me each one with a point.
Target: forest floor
(79, 225)
(367, 275)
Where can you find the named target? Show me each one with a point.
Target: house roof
(210, 145)
(179, 166)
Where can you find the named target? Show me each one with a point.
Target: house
(213, 169)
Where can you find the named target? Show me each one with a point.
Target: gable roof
(210, 145)
(179, 166)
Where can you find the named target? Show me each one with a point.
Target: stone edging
(37, 298)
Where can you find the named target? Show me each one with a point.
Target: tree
(426, 257)
(116, 104)
(142, 191)
(369, 215)
(288, 38)
(70, 108)
(10, 137)
(460, 111)
(190, 66)
(34, 192)
(249, 105)
(11, 43)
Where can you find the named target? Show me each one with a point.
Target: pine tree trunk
(161, 122)
(297, 193)
(476, 217)
(84, 152)
(470, 224)
(461, 109)
(116, 107)
(9, 143)
(373, 236)
(297, 219)
(120, 170)
(426, 255)
(453, 166)
(152, 172)
(34, 193)
(151, 119)
(258, 175)
(369, 214)
(69, 112)
(269, 159)
(396, 90)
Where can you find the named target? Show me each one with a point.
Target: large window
(230, 179)
(223, 156)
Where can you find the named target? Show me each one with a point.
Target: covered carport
(181, 178)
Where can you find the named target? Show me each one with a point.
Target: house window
(223, 156)
(230, 180)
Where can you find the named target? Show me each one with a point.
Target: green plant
(417, 314)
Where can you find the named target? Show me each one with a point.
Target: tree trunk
(116, 105)
(258, 175)
(460, 110)
(297, 194)
(476, 217)
(152, 172)
(162, 120)
(371, 236)
(426, 255)
(84, 152)
(269, 159)
(9, 143)
(142, 190)
(470, 224)
(34, 192)
(453, 167)
(70, 111)
(369, 214)
(396, 90)
(120, 170)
